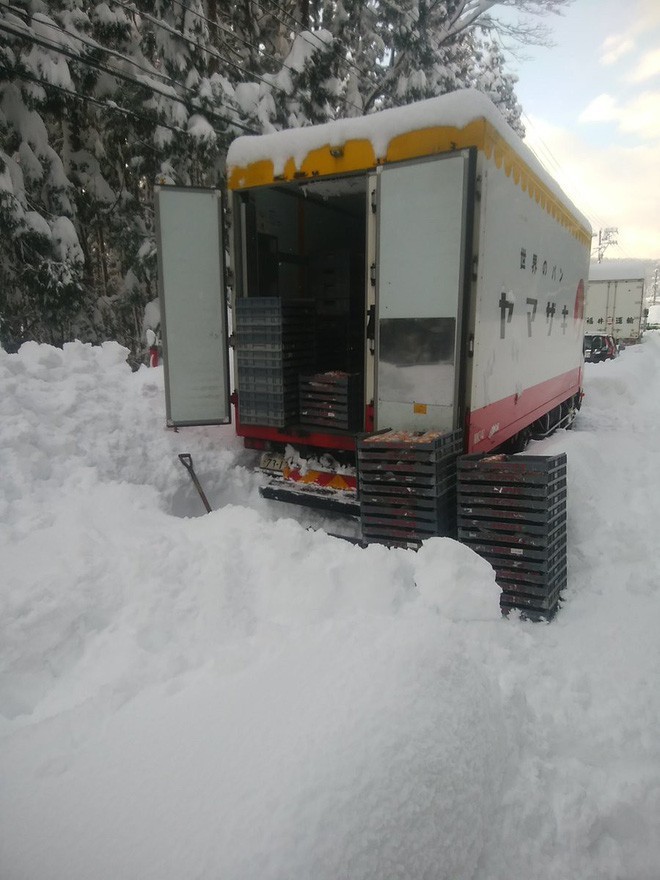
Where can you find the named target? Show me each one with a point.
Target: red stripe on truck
(497, 422)
(486, 427)
(317, 439)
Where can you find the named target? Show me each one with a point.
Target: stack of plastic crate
(407, 486)
(512, 511)
(331, 400)
(274, 343)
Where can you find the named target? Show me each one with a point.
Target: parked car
(595, 349)
(600, 348)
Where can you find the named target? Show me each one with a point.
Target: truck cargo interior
(300, 304)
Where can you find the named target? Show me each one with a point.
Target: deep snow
(235, 696)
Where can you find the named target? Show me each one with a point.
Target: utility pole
(605, 239)
(655, 285)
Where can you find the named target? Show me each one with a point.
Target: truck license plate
(272, 461)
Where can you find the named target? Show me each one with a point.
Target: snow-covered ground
(236, 696)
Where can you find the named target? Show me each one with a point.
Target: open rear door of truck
(423, 229)
(193, 305)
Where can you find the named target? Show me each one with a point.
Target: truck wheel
(517, 443)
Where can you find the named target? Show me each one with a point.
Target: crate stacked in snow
(512, 511)
(407, 486)
(274, 344)
(331, 400)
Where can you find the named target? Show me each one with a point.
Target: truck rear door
(423, 230)
(192, 305)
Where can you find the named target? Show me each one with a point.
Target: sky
(241, 695)
(592, 112)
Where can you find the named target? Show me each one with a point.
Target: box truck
(414, 270)
(615, 300)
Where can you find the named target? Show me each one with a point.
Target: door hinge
(374, 203)
(372, 274)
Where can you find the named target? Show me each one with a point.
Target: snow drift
(236, 696)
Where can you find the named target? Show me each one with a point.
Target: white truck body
(458, 263)
(615, 300)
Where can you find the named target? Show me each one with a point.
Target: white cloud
(612, 185)
(615, 47)
(639, 115)
(646, 16)
(639, 19)
(601, 109)
(648, 67)
(642, 116)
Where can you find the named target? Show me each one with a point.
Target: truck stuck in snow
(414, 270)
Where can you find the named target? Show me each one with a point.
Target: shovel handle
(186, 460)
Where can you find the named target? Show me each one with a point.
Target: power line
(159, 22)
(551, 160)
(221, 28)
(217, 25)
(165, 26)
(93, 44)
(250, 45)
(59, 49)
(53, 47)
(106, 105)
(298, 33)
(599, 222)
(435, 46)
(124, 76)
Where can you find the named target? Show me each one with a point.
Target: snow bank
(233, 695)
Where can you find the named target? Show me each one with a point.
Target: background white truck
(615, 300)
(443, 269)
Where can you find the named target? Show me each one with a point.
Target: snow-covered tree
(41, 262)
(395, 52)
(122, 99)
(493, 80)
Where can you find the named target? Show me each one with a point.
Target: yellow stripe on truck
(358, 155)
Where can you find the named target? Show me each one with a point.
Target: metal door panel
(193, 307)
(421, 256)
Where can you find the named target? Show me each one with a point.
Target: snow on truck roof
(617, 270)
(466, 118)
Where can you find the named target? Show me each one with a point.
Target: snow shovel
(186, 460)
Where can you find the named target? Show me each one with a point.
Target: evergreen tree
(41, 262)
(493, 80)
